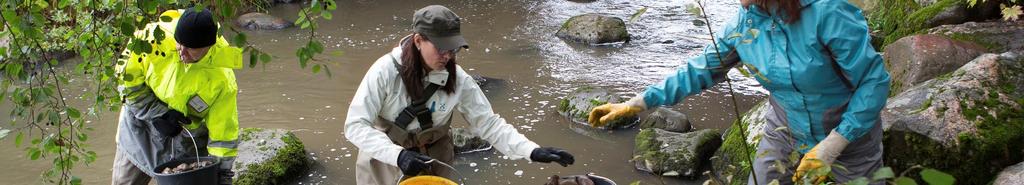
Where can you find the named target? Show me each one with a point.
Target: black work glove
(551, 154)
(169, 124)
(225, 176)
(412, 163)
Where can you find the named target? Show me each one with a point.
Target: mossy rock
(269, 156)
(996, 36)
(674, 154)
(594, 29)
(730, 162)
(915, 59)
(577, 106)
(467, 142)
(969, 123)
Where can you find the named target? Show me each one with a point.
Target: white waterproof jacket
(382, 94)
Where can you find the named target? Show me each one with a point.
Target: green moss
(289, 163)
(563, 105)
(890, 15)
(733, 150)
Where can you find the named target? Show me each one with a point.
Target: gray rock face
(943, 108)
(594, 29)
(674, 154)
(997, 36)
(269, 156)
(262, 21)
(969, 123)
(914, 59)
(466, 142)
(952, 14)
(666, 119)
(578, 104)
(1013, 175)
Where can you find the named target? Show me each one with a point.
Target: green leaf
(239, 39)
(252, 59)
(858, 181)
(264, 57)
(316, 68)
(883, 173)
(936, 177)
(326, 15)
(83, 137)
(73, 113)
(637, 14)
(158, 34)
(34, 154)
(904, 181)
(1011, 13)
(76, 181)
(316, 47)
(166, 18)
(18, 139)
(127, 27)
(331, 5)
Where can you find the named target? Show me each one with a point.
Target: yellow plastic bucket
(427, 180)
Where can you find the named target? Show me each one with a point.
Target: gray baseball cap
(441, 26)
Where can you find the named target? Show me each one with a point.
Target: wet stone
(269, 156)
(674, 154)
(666, 119)
(577, 106)
(594, 29)
(262, 21)
(466, 142)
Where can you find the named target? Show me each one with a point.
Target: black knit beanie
(196, 29)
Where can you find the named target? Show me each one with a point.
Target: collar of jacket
(757, 10)
(439, 77)
(221, 55)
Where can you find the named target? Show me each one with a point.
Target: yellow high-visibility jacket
(151, 83)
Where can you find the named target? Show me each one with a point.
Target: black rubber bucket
(201, 176)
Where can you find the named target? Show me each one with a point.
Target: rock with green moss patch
(577, 106)
(269, 156)
(593, 29)
(730, 163)
(670, 153)
(997, 36)
(466, 142)
(666, 119)
(915, 59)
(969, 123)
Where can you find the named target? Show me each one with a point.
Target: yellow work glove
(601, 115)
(821, 155)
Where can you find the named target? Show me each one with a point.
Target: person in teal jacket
(827, 85)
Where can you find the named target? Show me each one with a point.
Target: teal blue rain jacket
(792, 61)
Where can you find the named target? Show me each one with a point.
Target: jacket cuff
(390, 155)
(637, 101)
(830, 148)
(526, 150)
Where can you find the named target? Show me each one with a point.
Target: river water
(510, 40)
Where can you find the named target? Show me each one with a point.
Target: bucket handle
(461, 182)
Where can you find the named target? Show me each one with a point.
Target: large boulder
(914, 59)
(969, 123)
(262, 21)
(594, 29)
(466, 142)
(578, 104)
(1013, 175)
(269, 156)
(997, 36)
(730, 164)
(666, 119)
(674, 154)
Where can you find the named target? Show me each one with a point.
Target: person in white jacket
(400, 116)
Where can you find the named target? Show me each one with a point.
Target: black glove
(169, 124)
(225, 176)
(412, 163)
(549, 154)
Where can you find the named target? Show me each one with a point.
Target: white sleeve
(489, 126)
(363, 111)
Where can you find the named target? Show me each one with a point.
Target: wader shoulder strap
(418, 109)
(835, 66)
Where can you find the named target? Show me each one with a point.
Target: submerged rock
(594, 29)
(914, 59)
(466, 142)
(729, 160)
(269, 156)
(1013, 175)
(674, 154)
(969, 123)
(666, 119)
(578, 104)
(997, 36)
(262, 21)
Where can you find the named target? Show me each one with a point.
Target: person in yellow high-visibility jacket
(185, 81)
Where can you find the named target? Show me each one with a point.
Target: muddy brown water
(510, 40)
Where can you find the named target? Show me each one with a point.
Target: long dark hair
(414, 69)
(789, 9)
